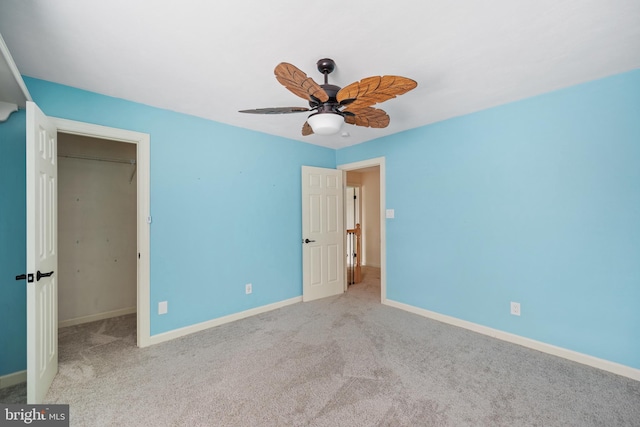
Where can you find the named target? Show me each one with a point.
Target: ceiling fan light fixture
(325, 123)
(333, 106)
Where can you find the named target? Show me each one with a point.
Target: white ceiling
(213, 58)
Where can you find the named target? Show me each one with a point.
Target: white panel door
(42, 256)
(322, 233)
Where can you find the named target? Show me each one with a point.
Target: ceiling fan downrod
(326, 67)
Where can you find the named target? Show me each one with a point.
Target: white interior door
(322, 233)
(42, 257)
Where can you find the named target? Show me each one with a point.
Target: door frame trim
(142, 141)
(377, 161)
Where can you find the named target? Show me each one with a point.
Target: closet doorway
(97, 229)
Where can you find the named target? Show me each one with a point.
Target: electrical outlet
(515, 308)
(248, 288)
(163, 307)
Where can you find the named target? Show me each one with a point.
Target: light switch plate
(390, 213)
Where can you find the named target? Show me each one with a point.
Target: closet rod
(99, 159)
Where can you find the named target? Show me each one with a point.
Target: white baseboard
(177, 333)
(96, 317)
(13, 379)
(585, 359)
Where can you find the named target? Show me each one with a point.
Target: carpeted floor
(342, 361)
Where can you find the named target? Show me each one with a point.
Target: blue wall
(537, 202)
(225, 202)
(13, 251)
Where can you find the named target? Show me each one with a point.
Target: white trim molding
(187, 330)
(6, 108)
(574, 356)
(14, 91)
(377, 161)
(13, 379)
(143, 159)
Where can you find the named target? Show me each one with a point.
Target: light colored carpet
(341, 361)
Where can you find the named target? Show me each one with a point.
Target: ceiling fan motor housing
(332, 92)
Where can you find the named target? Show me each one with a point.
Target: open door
(322, 233)
(42, 257)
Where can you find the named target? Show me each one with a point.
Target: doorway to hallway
(365, 180)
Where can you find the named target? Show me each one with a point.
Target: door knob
(41, 275)
(308, 241)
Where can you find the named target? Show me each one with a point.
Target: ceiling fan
(332, 105)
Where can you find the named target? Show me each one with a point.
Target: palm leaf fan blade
(368, 117)
(374, 90)
(306, 129)
(299, 83)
